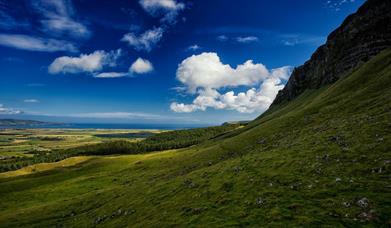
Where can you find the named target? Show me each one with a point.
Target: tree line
(157, 142)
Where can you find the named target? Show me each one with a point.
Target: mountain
(361, 36)
(21, 123)
(319, 157)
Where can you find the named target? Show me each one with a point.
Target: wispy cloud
(117, 116)
(297, 39)
(222, 38)
(9, 111)
(193, 47)
(145, 41)
(337, 4)
(58, 18)
(32, 43)
(247, 39)
(169, 9)
(31, 101)
(111, 75)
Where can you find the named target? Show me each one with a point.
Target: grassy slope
(296, 165)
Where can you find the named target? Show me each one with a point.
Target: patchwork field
(27, 142)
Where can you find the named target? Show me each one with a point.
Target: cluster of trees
(158, 142)
(20, 162)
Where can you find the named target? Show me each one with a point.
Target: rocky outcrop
(361, 36)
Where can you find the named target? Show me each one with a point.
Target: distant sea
(106, 126)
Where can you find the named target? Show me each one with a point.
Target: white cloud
(9, 111)
(58, 18)
(31, 43)
(85, 62)
(205, 74)
(247, 39)
(111, 75)
(194, 47)
(183, 108)
(207, 71)
(337, 4)
(141, 66)
(31, 101)
(298, 39)
(168, 8)
(145, 41)
(222, 38)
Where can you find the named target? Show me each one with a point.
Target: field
(323, 159)
(26, 142)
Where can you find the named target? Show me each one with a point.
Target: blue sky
(155, 61)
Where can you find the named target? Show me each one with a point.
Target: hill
(17, 122)
(322, 159)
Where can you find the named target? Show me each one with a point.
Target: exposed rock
(363, 202)
(189, 183)
(346, 204)
(367, 216)
(260, 201)
(361, 36)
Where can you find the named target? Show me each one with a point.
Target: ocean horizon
(108, 126)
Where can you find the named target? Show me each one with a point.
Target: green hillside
(321, 159)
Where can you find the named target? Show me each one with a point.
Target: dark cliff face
(361, 36)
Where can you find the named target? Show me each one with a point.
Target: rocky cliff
(361, 36)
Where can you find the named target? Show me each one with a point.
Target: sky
(155, 61)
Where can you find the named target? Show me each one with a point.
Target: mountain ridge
(361, 36)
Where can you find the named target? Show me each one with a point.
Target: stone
(260, 201)
(363, 203)
(367, 216)
(346, 204)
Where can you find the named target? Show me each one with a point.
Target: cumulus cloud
(247, 39)
(32, 43)
(58, 18)
(146, 41)
(85, 62)
(204, 74)
(31, 101)
(9, 111)
(168, 8)
(141, 66)
(207, 71)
